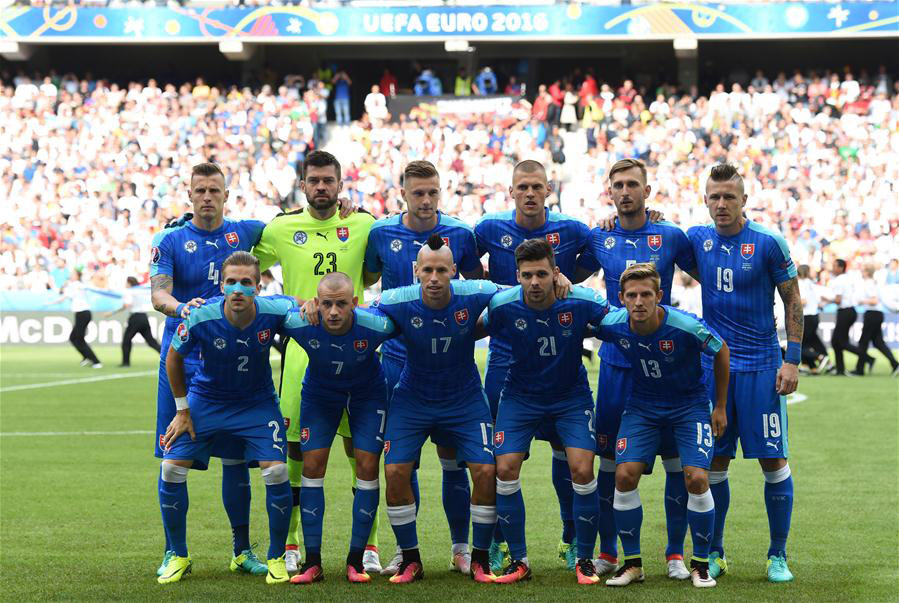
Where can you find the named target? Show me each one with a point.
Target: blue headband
(238, 288)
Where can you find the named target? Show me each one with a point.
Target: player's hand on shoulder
(180, 424)
(563, 286)
(655, 216)
(194, 303)
(346, 207)
(787, 379)
(309, 311)
(175, 222)
(719, 421)
(608, 223)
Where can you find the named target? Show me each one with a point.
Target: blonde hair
(640, 272)
(627, 164)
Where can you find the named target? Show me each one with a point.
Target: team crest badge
(621, 445)
(396, 245)
(521, 324)
(304, 435)
(707, 245)
(417, 322)
(264, 336)
(232, 239)
(506, 241)
(162, 440)
(219, 343)
(498, 438)
(386, 447)
(609, 243)
(666, 346)
(190, 246)
(461, 316)
(654, 242)
(300, 237)
(602, 441)
(565, 318)
(624, 343)
(360, 345)
(154, 255)
(314, 344)
(747, 250)
(182, 332)
(554, 239)
(343, 233)
(445, 240)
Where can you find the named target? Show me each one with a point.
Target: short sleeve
(254, 230)
(684, 259)
(710, 342)
(162, 257)
(480, 238)
(780, 264)
(588, 260)
(470, 259)
(373, 262)
(266, 249)
(183, 341)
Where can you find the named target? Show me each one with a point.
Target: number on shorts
(242, 367)
(338, 367)
(771, 424)
(383, 414)
(700, 440)
(547, 342)
(651, 368)
(591, 420)
(276, 429)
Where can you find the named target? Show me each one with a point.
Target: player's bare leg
(456, 495)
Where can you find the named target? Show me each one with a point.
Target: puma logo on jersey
(645, 345)
(419, 243)
(726, 249)
(440, 322)
(246, 342)
(631, 242)
(323, 235)
(545, 323)
(339, 347)
(213, 243)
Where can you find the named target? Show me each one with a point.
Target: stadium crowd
(90, 170)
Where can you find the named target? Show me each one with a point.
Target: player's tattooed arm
(161, 287)
(789, 293)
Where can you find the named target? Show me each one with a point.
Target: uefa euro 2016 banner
(663, 20)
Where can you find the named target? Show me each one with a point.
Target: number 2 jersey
(193, 258)
(439, 343)
(738, 276)
(235, 367)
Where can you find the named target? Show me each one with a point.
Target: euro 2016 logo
(182, 332)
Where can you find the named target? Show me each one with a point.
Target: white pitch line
(16, 388)
(8, 434)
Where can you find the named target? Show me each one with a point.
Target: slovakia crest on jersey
(621, 445)
(343, 233)
(360, 345)
(232, 239)
(747, 250)
(182, 332)
(565, 318)
(304, 435)
(154, 255)
(666, 346)
(654, 242)
(461, 316)
(445, 240)
(264, 336)
(554, 239)
(386, 447)
(498, 438)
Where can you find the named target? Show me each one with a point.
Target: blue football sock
(312, 512)
(628, 518)
(402, 520)
(365, 509)
(608, 537)
(586, 511)
(483, 518)
(236, 499)
(561, 476)
(720, 487)
(675, 510)
(701, 515)
(779, 504)
(498, 534)
(416, 493)
(168, 544)
(510, 512)
(279, 504)
(173, 503)
(456, 500)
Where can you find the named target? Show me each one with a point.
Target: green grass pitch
(79, 517)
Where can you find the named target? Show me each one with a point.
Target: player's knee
(483, 475)
(174, 474)
(312, 468)
(366, 466)
(626, 478)
(507, 470)
(697, 480)
(275, 474)
(397, 473)
(769, 465)
(582, 473)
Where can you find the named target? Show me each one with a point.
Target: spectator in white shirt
(814, 354)
(74, 290)
(872, 324)
(843, 295)
(376, 105)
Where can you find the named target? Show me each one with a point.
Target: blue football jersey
(663, 244)
(546, 344)
(499, 235)
(392, 250)
(738, 276)
(342, 361)
(234, 366)
(440, 343)
(667, 365)
(194, 257)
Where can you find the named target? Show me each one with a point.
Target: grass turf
(79, 516)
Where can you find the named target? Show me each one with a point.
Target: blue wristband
(179, 309)
(794, 352)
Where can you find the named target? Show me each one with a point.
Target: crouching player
(344, 373)
(664, 345)
(232, 394)
(546, 385)
(439, 393)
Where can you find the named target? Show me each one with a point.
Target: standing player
(439, 393)
(664, 345)
(740, 264)
(343, 374)
(546, 384)
(310, 244)
(633, 239)
(185, 269)
(232, 396)
(499, 234)
(393, 247)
